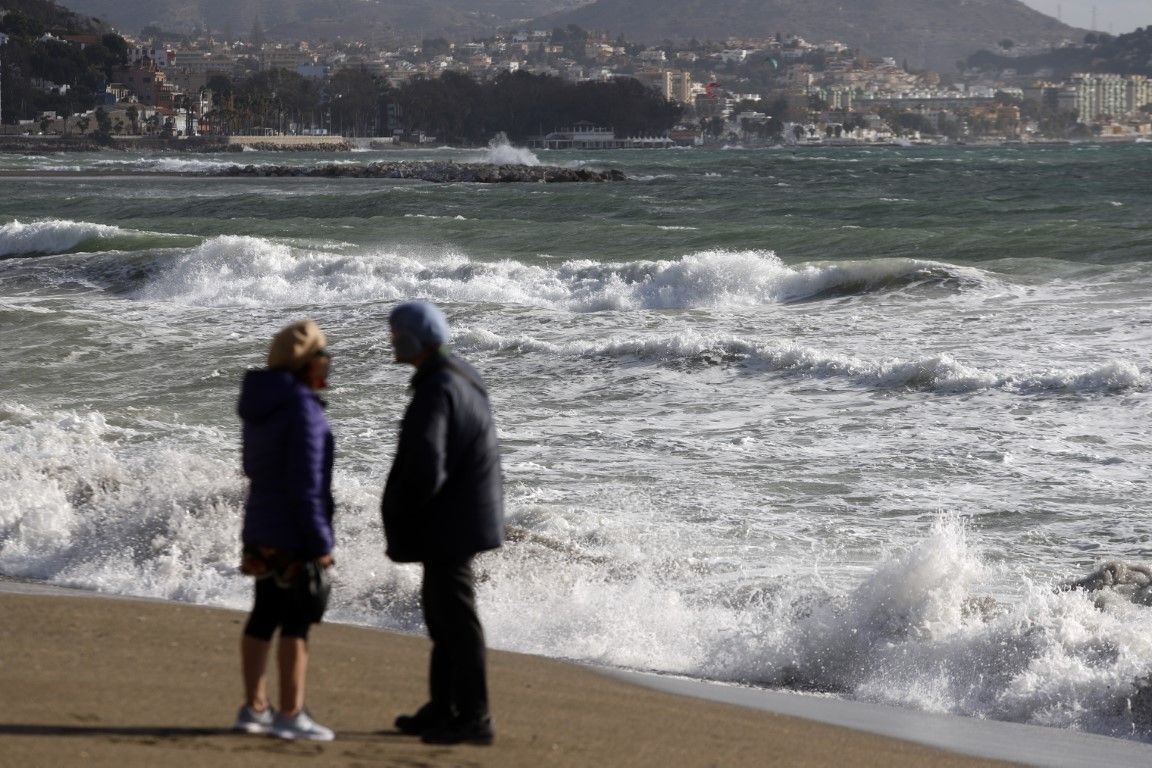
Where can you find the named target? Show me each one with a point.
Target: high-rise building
(1095, 97)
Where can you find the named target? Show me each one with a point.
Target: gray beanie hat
(421, 321)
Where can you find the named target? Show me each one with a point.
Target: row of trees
(352, 103)
(457, 108)
(453, 107)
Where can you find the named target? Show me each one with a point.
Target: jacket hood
(264, 391)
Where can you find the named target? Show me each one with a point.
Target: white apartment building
(202, 63)
(1139, 92)
(1107, 95)
(283, 58)
(674, 85)
(139, 54)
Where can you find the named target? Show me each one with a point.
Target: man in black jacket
(443, 503)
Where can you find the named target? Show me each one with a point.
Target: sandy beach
(99, 681)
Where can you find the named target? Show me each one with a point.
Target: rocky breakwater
(437, 172)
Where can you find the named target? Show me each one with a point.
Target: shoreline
(95, 679)
(18, 145)
(874, 734)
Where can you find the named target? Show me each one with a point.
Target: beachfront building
(203, 62)
(943, 100)
(142, 55)
(1138, 92)
(1096, 97)
(585, 135)
(281, 57)
(148, 84)
(674, 85)
(190, 70)
(582, 135)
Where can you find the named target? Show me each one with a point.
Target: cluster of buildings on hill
(747, 91)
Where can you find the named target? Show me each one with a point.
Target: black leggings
(276, 607)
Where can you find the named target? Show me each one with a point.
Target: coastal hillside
(935, 33)
(1128, 54)
(37, 53)
(45, 16)
(322, 19)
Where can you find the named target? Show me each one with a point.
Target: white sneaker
(249, 720)
(300, 726)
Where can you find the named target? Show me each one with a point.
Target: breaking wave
(501, 152)
(157, 513)
(248, 270)
(54, 236)
(938, 373)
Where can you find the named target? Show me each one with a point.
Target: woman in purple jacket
(287, 452)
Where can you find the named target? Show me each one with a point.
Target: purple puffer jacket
(288, 453)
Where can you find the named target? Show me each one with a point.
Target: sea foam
(502, 152)
(152, 512)
(938, 373)
(86, 510)
(248, 270)
(53, 236)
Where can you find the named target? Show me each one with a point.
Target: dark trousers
(457, 678)
(276, 606)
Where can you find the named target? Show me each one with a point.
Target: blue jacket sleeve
(307, 479)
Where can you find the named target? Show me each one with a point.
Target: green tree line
(457, 108)
(454, 107)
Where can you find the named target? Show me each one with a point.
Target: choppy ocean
(828, 419)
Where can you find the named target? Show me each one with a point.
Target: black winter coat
(444, 499)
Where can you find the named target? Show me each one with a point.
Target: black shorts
(277, 606)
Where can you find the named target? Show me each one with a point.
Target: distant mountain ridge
(322, 19)
(935, 33)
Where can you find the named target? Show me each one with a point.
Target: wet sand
(94, 681)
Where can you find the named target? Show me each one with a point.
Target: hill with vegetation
(1129, 54)
(49, 16)
(42, 71)
(935, 33)
(369, 20)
